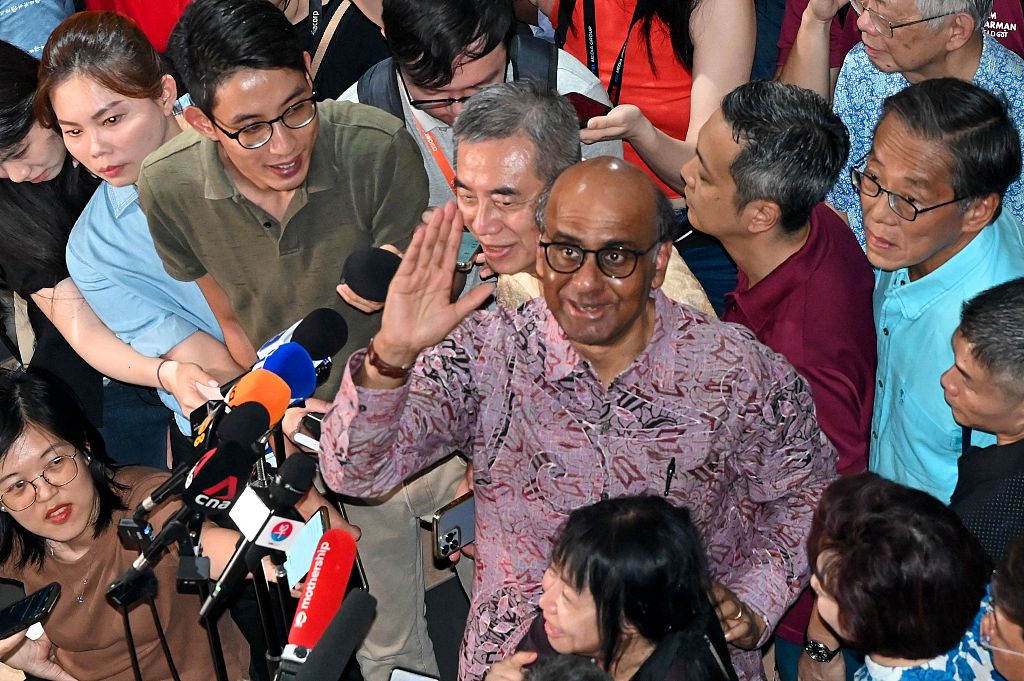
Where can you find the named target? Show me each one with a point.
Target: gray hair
(547, 119)
(980, 10)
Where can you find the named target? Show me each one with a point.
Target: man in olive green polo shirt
(261, 204)
(265, 200)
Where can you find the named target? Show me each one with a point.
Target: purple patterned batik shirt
(546, 437)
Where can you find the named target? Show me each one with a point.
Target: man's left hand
(742, 626)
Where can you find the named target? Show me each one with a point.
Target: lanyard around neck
(428, 138)
(590, 39)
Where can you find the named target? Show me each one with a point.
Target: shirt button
(267, 225)
(603, 428)
(885, 330)
(881, 384)
(874, 434)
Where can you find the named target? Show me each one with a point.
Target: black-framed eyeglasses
(432, 104)
(901, 205)
(884, 25)
(615, 262)
(57, 472)
(255, 135)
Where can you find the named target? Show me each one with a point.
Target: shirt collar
(915, 297)
(563, 361)
(219, 184)
(759, 302)
(121, 198)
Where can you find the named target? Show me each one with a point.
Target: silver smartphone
(453, 526)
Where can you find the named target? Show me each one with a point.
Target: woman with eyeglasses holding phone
(104, 89)
(60, 502)
(899, 578)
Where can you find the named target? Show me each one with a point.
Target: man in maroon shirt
(764, 163)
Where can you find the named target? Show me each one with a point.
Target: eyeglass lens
(22, 494)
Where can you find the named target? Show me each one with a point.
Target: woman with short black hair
(628, 585)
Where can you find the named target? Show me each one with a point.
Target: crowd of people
(733, 367)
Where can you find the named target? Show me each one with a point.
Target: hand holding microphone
(366, 275)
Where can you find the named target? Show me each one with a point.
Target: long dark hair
(37, 218)
(32, 397)
(643, 562)
(675, 14)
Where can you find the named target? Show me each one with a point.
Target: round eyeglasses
(255, 135)
(614, 262)
(884, 26)
(57, 472)
(901, 205)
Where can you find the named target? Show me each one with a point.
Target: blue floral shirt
(858, 102)
(966, 662)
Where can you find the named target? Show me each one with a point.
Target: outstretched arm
(65, 306)
(808, 63)
(723, 27)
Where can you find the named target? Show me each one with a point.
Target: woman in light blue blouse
(103, 87)
(900, 579)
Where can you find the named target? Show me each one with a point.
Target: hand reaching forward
(625, 121)
(418, 312)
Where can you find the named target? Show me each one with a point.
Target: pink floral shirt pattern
(545, 437)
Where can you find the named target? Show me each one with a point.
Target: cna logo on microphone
(219, 496)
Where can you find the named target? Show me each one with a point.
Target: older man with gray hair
(512, 141)
(904, 42)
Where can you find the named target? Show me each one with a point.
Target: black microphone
(246, 423)
(216, 482)
(369, 271)
(331, 654)
(294, 478)
(323, 333)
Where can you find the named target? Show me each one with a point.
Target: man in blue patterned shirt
(904, 42)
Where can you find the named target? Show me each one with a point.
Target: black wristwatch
(818, 651)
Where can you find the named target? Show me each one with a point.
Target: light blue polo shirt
(858, 102)
(914, 439)
(112, 259)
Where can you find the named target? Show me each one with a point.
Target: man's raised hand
(418, 312)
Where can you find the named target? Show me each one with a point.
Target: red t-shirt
(156, 18)
(815, 310)
(663, 94)
(1005, 25)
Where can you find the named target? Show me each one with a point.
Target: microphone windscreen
(292, 363)
(244, 424)
(323, 333)
(346, 631)
(218, 478)
(264, 387)
(369, 272)
(328, 574)
(294, 478)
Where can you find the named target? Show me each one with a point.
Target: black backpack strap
(534, 59)
(565, 8)
(379, 87)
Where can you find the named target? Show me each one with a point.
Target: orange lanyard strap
(435, 149)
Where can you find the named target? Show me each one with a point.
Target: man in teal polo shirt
(931, 189)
